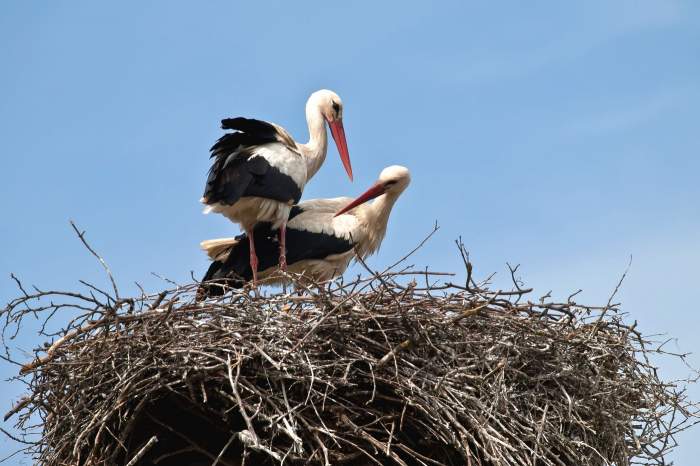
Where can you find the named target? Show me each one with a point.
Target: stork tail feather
(218, 249)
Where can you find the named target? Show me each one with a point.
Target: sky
(561, 136)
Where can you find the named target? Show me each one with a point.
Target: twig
(483, 377)
(152, 441)
(81, 235)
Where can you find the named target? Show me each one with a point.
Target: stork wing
(312, 233)
(317, 206)
(241, 169)
(260, 129)
(305, 245)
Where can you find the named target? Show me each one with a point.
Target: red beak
(338, 133)
(376, 190)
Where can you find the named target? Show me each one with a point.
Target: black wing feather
(305, 245)
(217, 278)
(296, 210)
(257, 128)
(257, 166)
(235, 173)
(301, 245)
(226, 183)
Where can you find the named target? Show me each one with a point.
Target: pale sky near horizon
(559, 136)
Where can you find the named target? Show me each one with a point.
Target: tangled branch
(389, 369)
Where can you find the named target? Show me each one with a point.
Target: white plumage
(327, 233)
(260, 171)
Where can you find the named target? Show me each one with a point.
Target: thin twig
(81, 235)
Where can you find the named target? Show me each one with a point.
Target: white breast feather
(248, 211)
(286, 161)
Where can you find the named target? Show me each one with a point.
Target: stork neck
(380, 209)
(376, 217)
(315, 150)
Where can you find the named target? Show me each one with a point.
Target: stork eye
(390, 183)
(336, 106)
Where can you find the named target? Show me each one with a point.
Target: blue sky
(556, 135)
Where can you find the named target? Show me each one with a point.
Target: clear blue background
(559, 135)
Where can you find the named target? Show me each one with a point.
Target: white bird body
(259, 171)
(251, 210)
(316, 217)
(322, 242)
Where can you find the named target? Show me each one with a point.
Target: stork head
(392, 182)
(331, 108)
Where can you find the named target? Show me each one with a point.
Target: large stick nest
(387, 370)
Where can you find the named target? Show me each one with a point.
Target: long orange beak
(375, 191)
(338, 133)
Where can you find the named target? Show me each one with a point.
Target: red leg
(253, 257)
(283, 247)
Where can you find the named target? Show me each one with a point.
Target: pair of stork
(257, 178)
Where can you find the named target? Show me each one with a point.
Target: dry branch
(375, 371)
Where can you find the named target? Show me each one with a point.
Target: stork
(324, 236)
(259, 171)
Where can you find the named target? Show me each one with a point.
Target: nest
(391, 369)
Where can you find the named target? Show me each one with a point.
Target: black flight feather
(301, 245)
(235, 173)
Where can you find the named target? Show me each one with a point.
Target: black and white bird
(259, 171)
(324, 235)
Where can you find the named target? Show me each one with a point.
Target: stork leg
(283, 247)
(253, 256)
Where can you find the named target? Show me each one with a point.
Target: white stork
(259, 171)
(324, 236)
